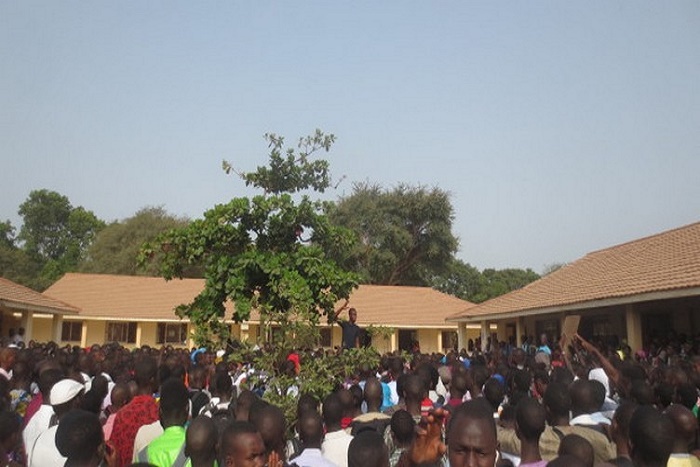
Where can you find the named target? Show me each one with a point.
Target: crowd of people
(578, 403)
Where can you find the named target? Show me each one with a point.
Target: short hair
(623, 416)
(403, 426)
(557, 399)
(222, 383)
(306, 403)
(474, 409)
(232, 432)
(493, 392)
(651, 435)
(567, 460)
(310, 428)
(367, 449)
(145, 371)
(79, 435)
(415, 388)
(332, 409)
(173, 396)
(531, 418)
(201, 437)
(578, 447)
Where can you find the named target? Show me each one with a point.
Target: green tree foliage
(15, 264)
(54, 237)
(467, 282)
(116, 248)
(404, 235)
(266, 253)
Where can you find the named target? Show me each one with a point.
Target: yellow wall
(148, 334)
(95, 332)
(42, 329)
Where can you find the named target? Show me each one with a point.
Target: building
(39, 315)
(137, 310)
(636, 290)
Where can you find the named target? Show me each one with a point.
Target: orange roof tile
(152, 298)
(19, 297)
(668, 261)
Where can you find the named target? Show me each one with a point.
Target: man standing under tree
(351, 331)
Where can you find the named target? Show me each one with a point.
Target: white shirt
(36, 426)
(310, 457)
(335, 447)
(144, 436)
(45, 452)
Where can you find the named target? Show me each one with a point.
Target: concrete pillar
(634, 328)
(519, 330)
(139, 330)
(394, 339)
(439, 341)
(83, 334)
(28, 324)
(485, 331)
(56, 328)
(461, 336)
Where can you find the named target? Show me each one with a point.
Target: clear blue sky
(558, 127)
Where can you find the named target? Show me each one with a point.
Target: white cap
(64, 390)
(598, 374)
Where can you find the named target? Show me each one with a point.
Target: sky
(558, 128)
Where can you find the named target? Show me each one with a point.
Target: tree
(466, 282)
(15, 264)
(116, 248)
(55, 234)
(266, 253)
(405, 235)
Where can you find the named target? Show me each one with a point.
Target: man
(576, 446)
(169, 448)
(351, 331)
(64, 397)
(142, 410)
(471, 436)
(201, 442)
(686, 429)
(79, 438)
(367, 449)
(41, 420)
(242, 446)
(310, 427)
(651, 438)
(337, 441)
(373, 418)
(8, 355)
(530, 419)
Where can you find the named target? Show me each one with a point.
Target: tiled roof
(669, 261)
(153, 298)
(19, 297)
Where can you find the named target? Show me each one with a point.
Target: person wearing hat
(64, 397)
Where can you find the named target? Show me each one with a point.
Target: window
(171, 333)
(326, 334)
(449, 340)
(121, 332)
(72, 331)
(408, 339)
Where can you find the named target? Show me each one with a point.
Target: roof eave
(600, 303)
(22, 306)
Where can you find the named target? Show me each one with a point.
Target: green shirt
(165, 449)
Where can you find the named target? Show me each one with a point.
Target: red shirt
(142, 410)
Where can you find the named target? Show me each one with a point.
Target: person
(142, 410)
(351, 331)
(651, 437)
(472, 437)
(620, 433)
(577, 446)
(272, 426)
(367, 449)
(337, 441)
(310, 427)
(242, 446)
(530, 420)
(373, 417)
(80, 440)
(10, 439)
(403, 429)
(201, 442)
(169, 448)
(120, 397)
(64, 397)
(686, 430)
(41, 420)
(8, 355)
